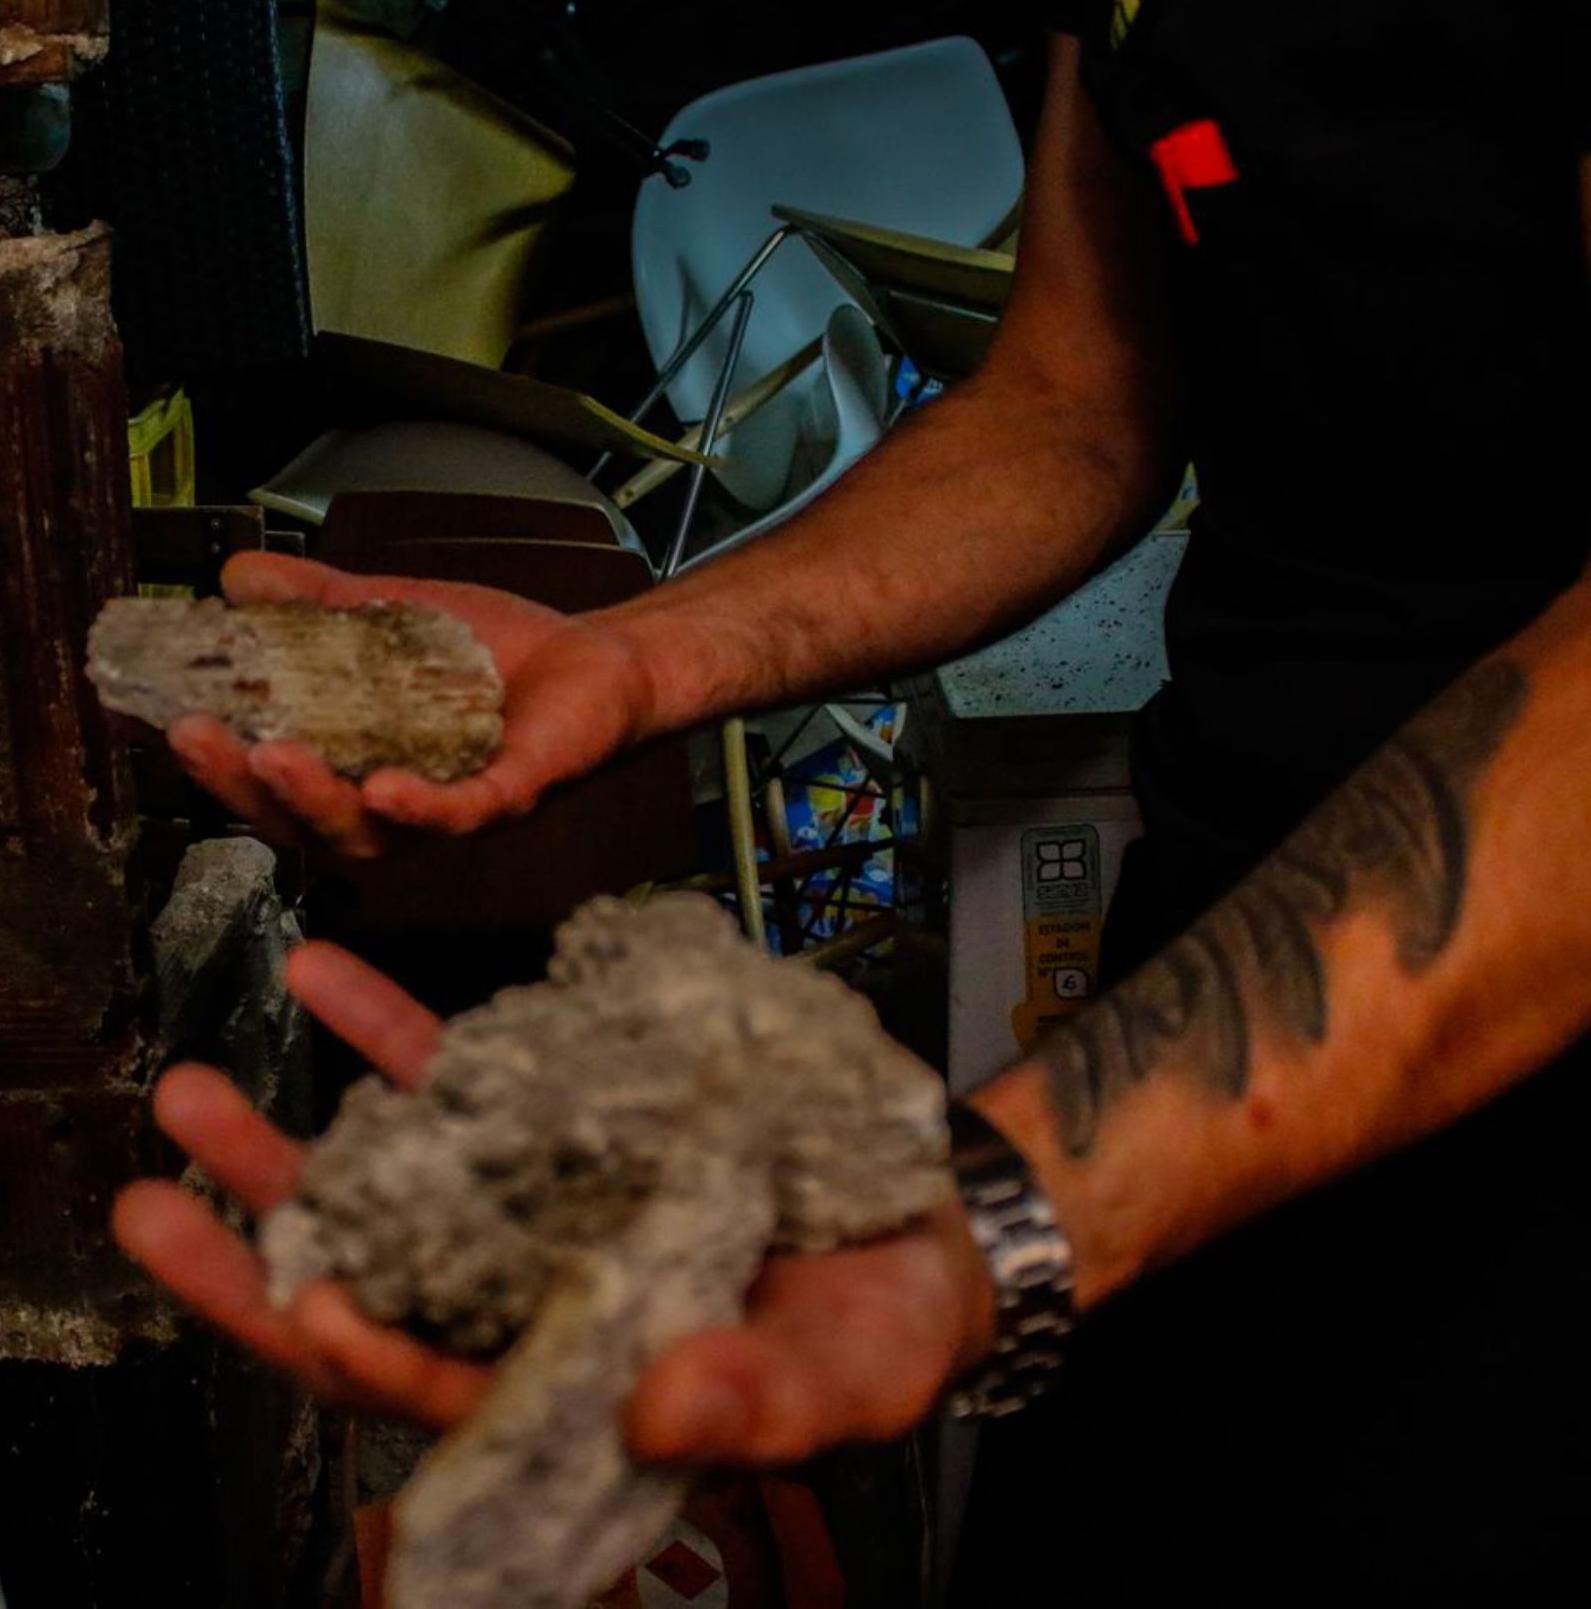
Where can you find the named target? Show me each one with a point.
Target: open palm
(574, 696)
(850, 1346)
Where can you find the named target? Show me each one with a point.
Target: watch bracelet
(1030, 1262)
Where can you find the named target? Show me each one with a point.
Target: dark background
(188, 142)
(644, 60)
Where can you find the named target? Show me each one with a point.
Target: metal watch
(1030, 1260)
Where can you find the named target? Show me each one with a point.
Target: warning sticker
(1063, 912)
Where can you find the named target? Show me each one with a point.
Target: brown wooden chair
(629, 823)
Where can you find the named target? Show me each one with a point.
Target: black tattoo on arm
(1394, 839)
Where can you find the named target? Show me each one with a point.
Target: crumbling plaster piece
(387, 684)
(596, 1167)
(29, 55)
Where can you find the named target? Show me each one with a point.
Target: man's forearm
(1420, 944)
(989, 505)
(971, 519)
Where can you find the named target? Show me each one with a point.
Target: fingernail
(713, 1422)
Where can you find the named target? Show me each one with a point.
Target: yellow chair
(424, 196)
(160, 453)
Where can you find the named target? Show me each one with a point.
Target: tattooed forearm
(1394, 840)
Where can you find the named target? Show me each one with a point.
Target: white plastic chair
(918, 140)
(849, 407)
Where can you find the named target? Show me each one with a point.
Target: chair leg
(692, 344)
(715, 415)
(659, 471)
(743, 831)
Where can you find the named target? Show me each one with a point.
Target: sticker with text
(1063, 912)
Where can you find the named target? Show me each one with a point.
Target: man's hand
(853, 1346)
(575, 695)
(180, 1240)
(915, 558)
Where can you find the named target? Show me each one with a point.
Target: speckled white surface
(1101, 652)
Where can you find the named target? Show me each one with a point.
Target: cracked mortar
(596, 1167)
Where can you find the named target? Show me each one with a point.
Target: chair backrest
(434, 455)
(853, 404)
(424, 197)
(919, 140)
(858, 386)
(941, 303)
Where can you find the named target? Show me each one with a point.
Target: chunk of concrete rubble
(595, 1168)
(386, 684)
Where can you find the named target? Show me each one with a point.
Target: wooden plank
(64, 530)
(68, 985)
(143, 1462)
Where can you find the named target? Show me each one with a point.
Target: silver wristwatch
(1030, 1260)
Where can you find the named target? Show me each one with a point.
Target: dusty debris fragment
(62, 51)
(388, 684)
(18, 43)
(598, 1165)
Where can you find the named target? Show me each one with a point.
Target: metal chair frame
(740, 299)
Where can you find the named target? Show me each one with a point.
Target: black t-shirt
(1377, 1394)
(1386, 331)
